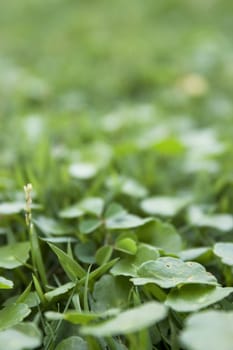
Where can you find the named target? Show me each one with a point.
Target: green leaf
(113, 210)
(195, 297)
(117, 218)
(89, 225)
(22, 336)
(161, 235)
(169, 146)
(208, 330)
(221, 222)
(71, 212)
(103, 254)
(31, 299)
(50, 226)
(125, 221)
(85, 252)
(83, 170)
(5, 283)
(80, 317)
(164, 206)
(72, 343)
(92, 205)
(110, 292)
(133, 188)
(60, 239)
(129, 321)
(126, 245)
(195, 253)
(70, 266)
(14, 255)
(168, 272)
(59, 291)
(127, 186)
(73, 316)
(13, 314)
(128, 266)
(12, 208)
(225, 252)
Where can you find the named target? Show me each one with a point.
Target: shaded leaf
(161, 235)
(85, 252)
(72, 343)
(14, 255)
(110, 292)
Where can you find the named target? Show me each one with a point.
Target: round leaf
(169, 272)
(161, 235)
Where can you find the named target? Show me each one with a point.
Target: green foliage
(119, 113)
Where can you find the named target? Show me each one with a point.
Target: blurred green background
(110, 51)
(76, 73)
